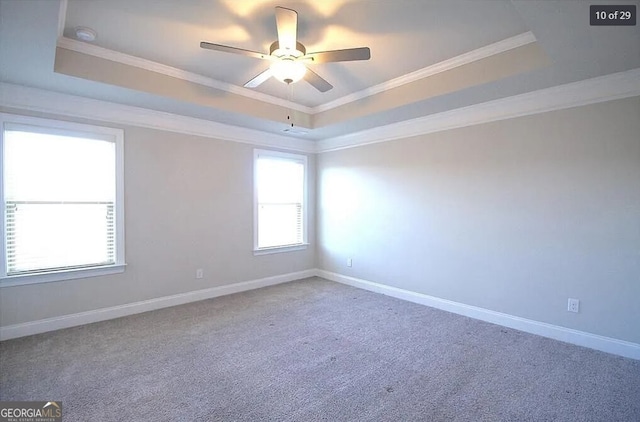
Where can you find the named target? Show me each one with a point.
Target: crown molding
(604, 88)
(466, 58)
(43, 101)
(127, 59)
(590, 91)
(62, 17)
(463, 59)
(104, 53)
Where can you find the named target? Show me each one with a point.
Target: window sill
(280, 249)
(23, 279)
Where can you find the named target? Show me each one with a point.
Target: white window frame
(305, 201)
(8, 121)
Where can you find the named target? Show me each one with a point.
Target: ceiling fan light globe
(288, 71)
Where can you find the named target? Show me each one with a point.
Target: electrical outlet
(573, 305)
(199, 273)
(349, 262)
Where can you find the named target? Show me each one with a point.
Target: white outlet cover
(573, 305)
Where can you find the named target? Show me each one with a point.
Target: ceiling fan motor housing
(276, 51)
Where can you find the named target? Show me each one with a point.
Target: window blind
(59, 199)
(280, 197)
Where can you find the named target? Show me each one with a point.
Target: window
(62, 210)
(279, 201)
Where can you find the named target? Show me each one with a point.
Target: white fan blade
(287, 24)
(347, 55)
(258, 80)
(234, 50)
(317, 81)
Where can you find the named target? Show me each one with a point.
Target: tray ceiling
(427, 56)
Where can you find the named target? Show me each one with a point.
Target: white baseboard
(81, 318)
(568, 335)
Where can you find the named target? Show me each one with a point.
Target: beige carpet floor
(314, 350)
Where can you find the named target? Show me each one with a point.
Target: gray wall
(514, 216)
(188, 205)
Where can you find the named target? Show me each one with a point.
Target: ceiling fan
(289, 57)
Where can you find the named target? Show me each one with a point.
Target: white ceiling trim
(116, 56)
(604, 88)
(466, 58)
(43, 101)
(62, 17)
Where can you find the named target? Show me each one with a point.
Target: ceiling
(426, 56)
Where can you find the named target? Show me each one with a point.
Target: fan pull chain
(290, 98)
